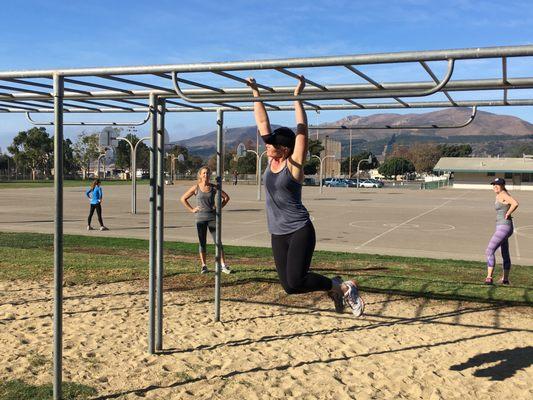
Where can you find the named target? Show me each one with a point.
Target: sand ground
(268, 345)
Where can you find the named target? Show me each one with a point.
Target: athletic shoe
(104, 228)
(504, 282)
(226, 269)
(488, 281)
(90, 228)
(204, 270)
(353, 300)
(338, 298)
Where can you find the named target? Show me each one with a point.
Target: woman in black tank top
(292, 233)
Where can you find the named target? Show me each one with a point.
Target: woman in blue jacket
(95, 194)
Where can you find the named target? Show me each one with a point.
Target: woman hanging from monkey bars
(292, 232)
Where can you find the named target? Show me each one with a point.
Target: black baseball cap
(498, 181)
(282, 136)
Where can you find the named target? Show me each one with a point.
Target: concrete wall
(480, 180)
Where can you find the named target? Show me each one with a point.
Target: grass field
(29, 256)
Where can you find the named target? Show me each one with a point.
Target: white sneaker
(204, 270)
(90, 228)
(353, 300)
(226, 269)
(104, 228)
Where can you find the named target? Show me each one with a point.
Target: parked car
(309, 182)
(351, 182)
(337, 182)
(370, 183)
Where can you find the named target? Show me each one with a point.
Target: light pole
(133, 163)
(173, 159)
(350, 158)
(99, 163)
(367, 160)
(321, 161)
(259, 158)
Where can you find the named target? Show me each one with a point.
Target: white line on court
(409, 220)
(247, 236)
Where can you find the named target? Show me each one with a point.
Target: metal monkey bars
(158, 89)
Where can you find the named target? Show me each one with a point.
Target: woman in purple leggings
(505, 205)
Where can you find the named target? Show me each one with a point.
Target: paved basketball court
(443, 223)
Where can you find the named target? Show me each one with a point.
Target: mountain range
(485, 127)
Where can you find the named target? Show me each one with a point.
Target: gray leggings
(202, 233)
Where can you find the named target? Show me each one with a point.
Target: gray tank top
(206, 202)
(501, 210)
(285, 211)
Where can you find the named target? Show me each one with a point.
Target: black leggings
(98, 209)
(292, 254)
(202, 233)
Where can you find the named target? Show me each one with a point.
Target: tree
(312, 166)
(520, 149)
(345, 164)
(71, 165)
(315, 147)
(455, 150)
(33, 148)
(396, 166)
(246, 164)
(424, 156)
(86, 149)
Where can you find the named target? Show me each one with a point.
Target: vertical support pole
(218, 235)
(58, 236)
(160, 219)
(152, 253)
(259, 158)
(134, 179)
(321, 172)
(350, 163)
(258, 166)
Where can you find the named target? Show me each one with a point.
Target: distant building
(332, 165)
(477, 173)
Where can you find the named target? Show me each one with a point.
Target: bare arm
(185, 199)
(300, 144)
(510, 200)
(225, 198)
(260, 112)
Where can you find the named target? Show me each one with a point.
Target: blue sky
(59, 34)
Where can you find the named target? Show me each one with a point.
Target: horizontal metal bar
(135, 103)
(146, 119)
(379, 58)
(21, 90)
(43, 85)
(354, 103)
(403, 103)
(21, 107)
(177, 103)
(97, 103)
(96, 85)
(241, 80)
(230, 106)
(325, 107)
(452, 86)
(434, 77)
(137, 83)
(315, 96)
(193, 83)
(296, 76)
